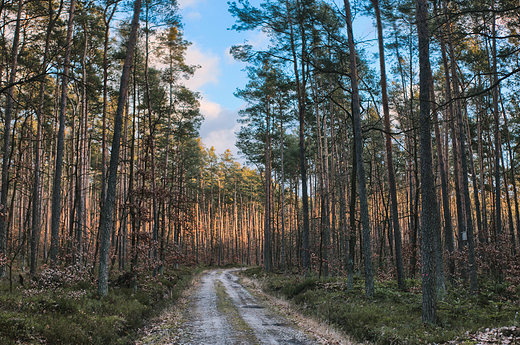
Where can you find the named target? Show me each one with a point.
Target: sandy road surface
(218, 310)
(221, 311)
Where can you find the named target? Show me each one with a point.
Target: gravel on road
(219, 310)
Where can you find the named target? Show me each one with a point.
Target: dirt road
(221, 311)
(218, 310)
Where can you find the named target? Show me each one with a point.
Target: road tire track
(221, 311)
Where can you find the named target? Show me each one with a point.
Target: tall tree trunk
(37, 203)
(448, 226)
(351, 236)
(268, 238)
(498, 151)
(389, 159)
(301, 92)
(105, 98)
(508, 203)
(465, 186)
(321, 176)
(82, 159)
(4, 209)
(358, 135)
(430, 221)
(476, 196)
(448, 232)
(439, 257)
(58, 168)
(327, 230)
(151, 148)
(282, 189)
(513, 180)
(105, 225)
(484, 234)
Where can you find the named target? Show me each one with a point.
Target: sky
(207, 25)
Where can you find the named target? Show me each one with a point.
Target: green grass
(228, 308)
(56, 312)
(393, 316)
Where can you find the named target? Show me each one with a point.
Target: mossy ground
(72, 313)
(393, 316)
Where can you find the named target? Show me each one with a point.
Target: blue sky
(206, 25)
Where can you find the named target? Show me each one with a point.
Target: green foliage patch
(393, 316)
(62, 312)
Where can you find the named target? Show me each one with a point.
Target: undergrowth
(61, 306)
(393, 316)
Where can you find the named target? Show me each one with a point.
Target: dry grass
(166, 328)
(325, 334)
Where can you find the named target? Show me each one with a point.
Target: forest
(391, 159)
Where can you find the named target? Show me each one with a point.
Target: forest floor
(61, 306)
(247, 306)
(393, 316)
(222, 309)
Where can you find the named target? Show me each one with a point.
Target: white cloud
(210, 110)
(188, 3)
(209, 70)
(193, 16)
(222, 140)
(219, 127)
(259, 40)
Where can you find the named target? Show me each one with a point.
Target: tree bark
(105, 225)
(105, 99)
(37, 204)
(429, 213)
(301, 92)
(58, 168)
(498, 151)
(4, 209)
(448, 233)
(464, 164)
(389, 158)
(351, 235)
(358, 136)
(268, 238)
(439, 257)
